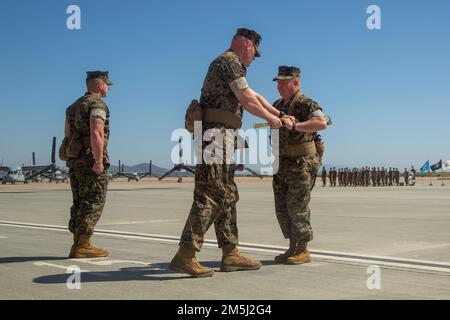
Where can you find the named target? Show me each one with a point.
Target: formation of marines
(366, 177)
(224, 97)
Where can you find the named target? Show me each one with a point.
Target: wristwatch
(282, 114)
(98, 161)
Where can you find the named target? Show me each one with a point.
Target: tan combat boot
(233, 261)
(282, 258)
(185, 262)
(84, 249)
(75, 243)
(301, 254)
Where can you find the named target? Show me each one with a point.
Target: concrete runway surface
(370, 243)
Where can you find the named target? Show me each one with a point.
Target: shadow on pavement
(152, 272)
(29, 259)
(270, 263)
(155, 272)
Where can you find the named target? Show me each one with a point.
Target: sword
(261, 125)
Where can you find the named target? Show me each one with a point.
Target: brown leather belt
(222, 116)
(298, 150)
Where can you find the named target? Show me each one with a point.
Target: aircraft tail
(54, 150)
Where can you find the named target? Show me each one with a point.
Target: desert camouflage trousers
(292, 186)
(89, 196)
(215, 198)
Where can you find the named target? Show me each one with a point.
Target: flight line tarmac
(400, 232)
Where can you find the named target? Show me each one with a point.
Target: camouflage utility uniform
(216, 193)
(88, 188)
(324, 177)
(292, 183)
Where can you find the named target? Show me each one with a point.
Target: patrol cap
(251, 35)
(101, 75)
(285, 73)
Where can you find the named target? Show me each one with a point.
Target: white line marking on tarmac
(136, 222)
(53, 265)
(107, 262)
(330, 256)
(3, 237)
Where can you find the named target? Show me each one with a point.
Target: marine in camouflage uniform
(406, 177)
(330, 176)
(334, 176)
(382, 176)
(216, 193)
(292, 183)
(373, 175)
(324, 177)
(89, 188)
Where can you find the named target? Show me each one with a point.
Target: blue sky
(387, 90)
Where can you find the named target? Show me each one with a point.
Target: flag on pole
(446, 165)
(437, 166)
(425, 167)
